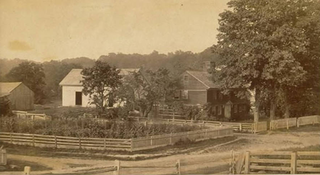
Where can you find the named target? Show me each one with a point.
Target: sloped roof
(74, 77)
(204, 78)
(7, 87)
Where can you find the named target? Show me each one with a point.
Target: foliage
(100, 83)
(89, 127)
(144, 89)
(32, 75)
(55, 71)
(267, 46)
(4, 106)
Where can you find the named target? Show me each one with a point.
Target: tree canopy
(32, 75)
(146, 88)
(270, 47)
(100, 83)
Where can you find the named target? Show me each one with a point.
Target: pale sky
(42, 30)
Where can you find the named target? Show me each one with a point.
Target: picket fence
(27, 115)
(133, 144)
(294, 122)
(278, 162)
(237, 127)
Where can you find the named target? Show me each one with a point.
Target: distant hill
(6, 65)
(83, 61)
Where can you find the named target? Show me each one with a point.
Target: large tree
(100, 82)
(145, 88)
(32, 75)
(267, 46)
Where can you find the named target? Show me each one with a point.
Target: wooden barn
(19, 95)
(198, 89)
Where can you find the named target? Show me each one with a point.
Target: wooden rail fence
(133, 144)
(65, 142)
(238, 127)
(33, 116)
(294, 122)
(278, 162)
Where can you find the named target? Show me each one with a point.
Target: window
(78, 98)
(219, 111)
(235, 108)
(220, 96)
(184, 94)
(214, 95)
(177, 94)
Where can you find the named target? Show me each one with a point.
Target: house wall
(21, 98)
(196, 97)
(239, 108)
(69, 96)
(191, 83)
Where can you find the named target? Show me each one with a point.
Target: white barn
(72, 88)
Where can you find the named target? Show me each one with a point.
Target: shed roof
(74, 77)
(7, 87)
(204, 78)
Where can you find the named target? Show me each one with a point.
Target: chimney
(207, 65)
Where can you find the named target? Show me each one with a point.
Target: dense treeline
(54, 71)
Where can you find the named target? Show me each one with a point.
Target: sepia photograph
(159, 87)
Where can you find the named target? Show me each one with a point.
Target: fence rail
(133, 144)
(238, 127)
(65, 142)
(277, 162)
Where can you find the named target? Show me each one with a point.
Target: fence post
(151, 141)
(11, 137)
(293, 163)
(131, 144)
(240, 127)
(117, 168)
(27, 170)
(178, 166)
(79, 143)
(55, 141)
(247, 163)
(104, 143)
(3, 154)
(298, 124)
(33, 142)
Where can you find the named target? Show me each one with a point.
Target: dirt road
(208, 157)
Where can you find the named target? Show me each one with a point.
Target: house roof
(74, 77)
(204, 78)
(7, 87)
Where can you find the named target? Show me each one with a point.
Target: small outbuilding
(19, 95)
(72, 94)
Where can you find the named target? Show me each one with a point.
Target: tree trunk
(272, 110)
(254, 103)
(287, 111)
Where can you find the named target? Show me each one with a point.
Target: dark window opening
(78, 98)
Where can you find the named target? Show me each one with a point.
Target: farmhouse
(198, 89)
(18, 94)
(72, 88)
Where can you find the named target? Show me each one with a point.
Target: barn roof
(204, 78)
(7, 87)
(74, 77)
